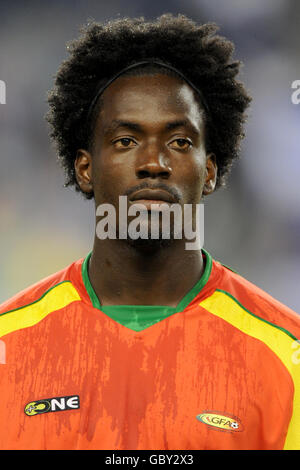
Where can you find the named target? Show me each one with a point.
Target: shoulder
(54, 285)
(254, 300)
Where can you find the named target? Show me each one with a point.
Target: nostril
(148, 174)
(143, 174)
(165, 174)
(156, 167)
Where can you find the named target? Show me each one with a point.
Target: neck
(122, 274)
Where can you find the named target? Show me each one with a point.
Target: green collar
(140, 317)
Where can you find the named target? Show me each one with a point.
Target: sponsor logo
(224, 422)
(48, 405)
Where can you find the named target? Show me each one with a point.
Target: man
(146, 344)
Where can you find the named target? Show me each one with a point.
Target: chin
(149, 244)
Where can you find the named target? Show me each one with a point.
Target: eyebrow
(169, 126)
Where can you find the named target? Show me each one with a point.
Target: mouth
(151, 196)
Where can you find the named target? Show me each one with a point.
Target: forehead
(150, 98)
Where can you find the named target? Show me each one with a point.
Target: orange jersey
(219, 371)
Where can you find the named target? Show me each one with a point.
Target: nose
(153, 163)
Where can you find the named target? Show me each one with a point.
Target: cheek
(110, 179)
(193, 179)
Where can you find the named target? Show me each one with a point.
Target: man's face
(150, 134)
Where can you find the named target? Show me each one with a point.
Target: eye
(181, 144)
(124, 142)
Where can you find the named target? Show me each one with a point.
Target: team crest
(223, 422)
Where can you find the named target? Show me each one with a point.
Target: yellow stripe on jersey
(53, 299)
(280, 341)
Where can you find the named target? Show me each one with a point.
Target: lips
(155, 196)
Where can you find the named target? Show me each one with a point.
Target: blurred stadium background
(253, 226)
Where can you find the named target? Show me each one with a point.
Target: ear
(210, 174)
(83, 170)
